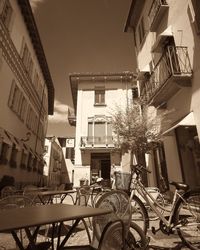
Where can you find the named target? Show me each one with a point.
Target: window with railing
(173, 62)
(99, 133)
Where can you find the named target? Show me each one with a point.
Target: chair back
(83, 195)
(118, 202)
(112, 237)
(14, 201)
(7, 191)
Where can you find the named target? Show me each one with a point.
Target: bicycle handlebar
(139, 169)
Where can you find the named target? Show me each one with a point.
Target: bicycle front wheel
(187, 219)
(139, 213)
(136, 238)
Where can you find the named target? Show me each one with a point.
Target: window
(14, 98)
(24, 159)
(6, 12)
(99, 132)
(141, 30)
(27, 60)
(69, 154)
(99, 96)
(13, 158)
(23, 107)
(4, 153)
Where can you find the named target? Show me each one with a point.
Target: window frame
(99, 97)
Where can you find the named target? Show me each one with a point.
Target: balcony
(171, 73)
(157, 10)
(97, 142)
(71, 118)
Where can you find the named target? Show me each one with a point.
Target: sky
(81, 36)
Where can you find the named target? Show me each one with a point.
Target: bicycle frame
(138, 187)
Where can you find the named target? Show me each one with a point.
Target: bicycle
(184, 214)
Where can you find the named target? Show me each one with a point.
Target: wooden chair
(112, 238)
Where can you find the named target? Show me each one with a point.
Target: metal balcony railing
(156, 12)
(175, 63)
(96, 141)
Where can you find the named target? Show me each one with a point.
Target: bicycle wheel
(136, 238)
(116, 201)
(98, 196)
(187, 219)
(139, 213)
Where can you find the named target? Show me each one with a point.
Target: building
(27, 94)
(167, 45)
(55, 169)
(67, 145)
(95, 97)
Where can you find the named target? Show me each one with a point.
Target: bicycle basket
(122, 180)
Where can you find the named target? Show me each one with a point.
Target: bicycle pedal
(154, 231)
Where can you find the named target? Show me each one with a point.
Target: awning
(188, 120)
(161, 38)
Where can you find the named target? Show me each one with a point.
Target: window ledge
(100, 104)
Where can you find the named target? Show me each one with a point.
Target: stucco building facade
(167, 44)
(27, 94)
(95, 98)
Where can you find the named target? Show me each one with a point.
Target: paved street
(158, 241)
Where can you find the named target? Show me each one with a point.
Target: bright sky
(81, 36)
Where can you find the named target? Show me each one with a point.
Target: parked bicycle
(183, 216)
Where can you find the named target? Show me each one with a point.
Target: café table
(35, 216)
(46, 197)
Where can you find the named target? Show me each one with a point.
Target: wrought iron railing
(155, 9)
(96, 141)
(173, 62)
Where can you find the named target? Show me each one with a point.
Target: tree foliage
(136, 130)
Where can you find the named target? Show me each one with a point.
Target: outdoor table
(46, 197)
(36, 216)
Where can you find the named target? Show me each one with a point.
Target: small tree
(136, 129)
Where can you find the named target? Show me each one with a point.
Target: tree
(136, 129)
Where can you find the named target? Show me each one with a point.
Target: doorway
(100, 166)
(189, 154)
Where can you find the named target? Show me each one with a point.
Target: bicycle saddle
(179, 185)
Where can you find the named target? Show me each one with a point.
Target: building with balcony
(166, 35)
(95, 97)
(27, 94)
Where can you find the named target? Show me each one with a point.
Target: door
(189, 154)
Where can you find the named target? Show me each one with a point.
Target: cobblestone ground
(158, 241)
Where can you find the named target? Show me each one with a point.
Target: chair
(112, 238)
(82, 196)
(19, 201)
(7, 191)
(14, 201)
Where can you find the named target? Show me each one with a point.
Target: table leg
(68, 235)
(18, 242)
